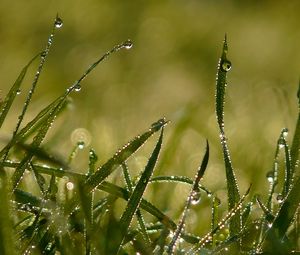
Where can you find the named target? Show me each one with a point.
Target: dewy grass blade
(296, 139)
(139, 215)
(7, 245)
(27, 198)
(5, 106)
(136, 196)
(232, 186)
(208, 237)
(193, 196)
(122, 155)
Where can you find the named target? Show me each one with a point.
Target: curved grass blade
(193, 196)
(136, 196)
(121, 156)
(6, 104)
(232, 186)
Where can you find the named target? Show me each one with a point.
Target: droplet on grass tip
(226, 65)
(58, 22)
(128, 44)
(81, 145)
(285, 132)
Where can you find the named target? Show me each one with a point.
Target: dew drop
(128, 44)
(281, 142)
(226, 65)
(195, 196)
(18, 92)
(77, 87)
(58, 22)
(270, 176)
(70, 185)
(285, 132)
(279, 198)
(81, 145)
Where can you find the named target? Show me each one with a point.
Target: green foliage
(91, 212)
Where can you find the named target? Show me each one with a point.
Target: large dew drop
(128, 44)
(226, 65)
(77, 87)
(58, 22)
(195, 196)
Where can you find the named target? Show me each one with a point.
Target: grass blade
(139, 215)
(232, 186)
(6, 234)
(135, 198)
(122, 155)
(193, 196)
(5, 106)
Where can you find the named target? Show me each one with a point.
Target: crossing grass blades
(75, 220)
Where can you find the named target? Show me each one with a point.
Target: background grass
(169, 72)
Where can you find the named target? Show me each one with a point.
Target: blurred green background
(170, 71)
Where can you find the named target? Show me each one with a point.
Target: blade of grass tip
(192, 198)
(139, 215)
(122, 155)
(206, 239)
(37, 75)
(232, 186)
(6, 230)
(136, 196)
(11, 95)
(296, 139)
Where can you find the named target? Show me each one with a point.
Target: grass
(66, 212)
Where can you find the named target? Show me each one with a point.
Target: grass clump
(74, 213)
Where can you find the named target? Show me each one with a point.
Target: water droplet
(285, 132)
(77, 87)
(281, 142)
(81, 145)
(270, 176)
(58, 22)
(18, 92)
(279, 198)
(195, 196)
(226, 65)
(128, 44)
(70, 185)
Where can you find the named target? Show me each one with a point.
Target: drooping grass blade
(5, 106)
(232, 185)
(136, 196)
(193, 196)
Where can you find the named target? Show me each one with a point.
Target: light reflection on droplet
(70, 185)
